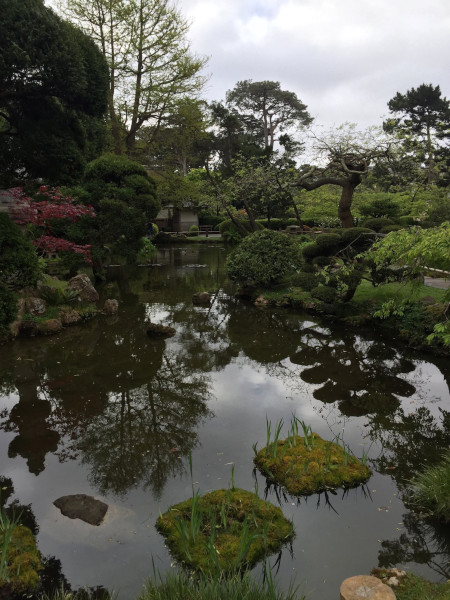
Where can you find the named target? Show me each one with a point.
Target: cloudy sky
(343, 58)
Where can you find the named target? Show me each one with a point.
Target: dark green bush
(382, 206)
(275, 224)
(357, 239)
(406, 221)
(390, 228)
(328, 242)
(306, 281)
(264, 258)
(325, 293)
(8, 309)
(205, 218)
(322, 261)
(115, 177)
(377, 223)
(18, 258)
(310, 251)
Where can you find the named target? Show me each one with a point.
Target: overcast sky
(343, 58)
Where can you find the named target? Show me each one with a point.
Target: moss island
(309, 464)
(224, 530)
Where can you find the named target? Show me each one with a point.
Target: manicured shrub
(390, 228)
(383, 206)
(325, 293)
(310, 251)
(377, 223)
(357, 239)
(407, 221)
(193, 230)
(322, 261)
(328, 242)
(307, 281)
(263, 258)
(115, 177)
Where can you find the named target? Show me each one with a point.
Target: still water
(101, 409)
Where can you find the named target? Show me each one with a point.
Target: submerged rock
(160, 331)
(49, 327)
(82, 284)
(110, 307)
(201, 298)
(81, 506)
(69, 316)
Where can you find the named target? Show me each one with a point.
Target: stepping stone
(80, 506)
(365, 587)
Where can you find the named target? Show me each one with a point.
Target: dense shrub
(275, 224)
(18, 259)
(322, 261)
(431, 490)
(390, 228)
(407, 221)
(205, 218)
(377, 223)
(381, 206)
(356, 240)
(115, 177)
(310, 251)
(325, 293)
(263, 258)
(307, 281)
(18, 268)
(193, 230)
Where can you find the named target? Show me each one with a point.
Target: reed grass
(179, 586)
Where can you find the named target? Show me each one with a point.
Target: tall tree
(422, 119)
(151, 64)
(53, 85)
(267, 110)
(343, 157)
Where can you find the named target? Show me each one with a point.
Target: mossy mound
(23, 561)
(308, 465)
(225, 530)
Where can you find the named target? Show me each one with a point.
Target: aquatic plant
(309, 464)
(235, 587)
(20, 559)
(430, 490)
(233, 526)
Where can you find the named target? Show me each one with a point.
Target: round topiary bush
(390, 228)
(322, 261)
(328, 243)
(307, 281)
(325, 293)
(264, 258)
(378, 223)
(193, 230)
(310, 251)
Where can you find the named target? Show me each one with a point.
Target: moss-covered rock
(305, 465)
(23, 561)
(224, 530)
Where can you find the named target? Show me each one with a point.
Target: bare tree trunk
(251, 218)
(345, 204)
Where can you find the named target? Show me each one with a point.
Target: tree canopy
(267, 110)
(53, 93)
(421, 117)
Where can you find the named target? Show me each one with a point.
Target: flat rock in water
(80, 506)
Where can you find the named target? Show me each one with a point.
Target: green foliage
(325, 293)
(307, 281)
(263, 258)
(115, 177)
(224, 530)
(121, 227)
(413, 587)
(309, 464)
(430, 490)
(235, 587)
(382, 205)
(328, 243)
(377, 223)
(356, 239)
(193, 230)
(390, 228)
(231, 234)
(20, 561)
(146, 252)
(54, 85)
(18, 259)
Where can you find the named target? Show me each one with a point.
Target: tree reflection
(142, 434)
(362, 375)
(421, 543)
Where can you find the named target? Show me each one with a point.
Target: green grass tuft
(430, 490)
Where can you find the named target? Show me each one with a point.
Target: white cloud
(344, 58)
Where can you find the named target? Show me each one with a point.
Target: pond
(101, 409)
